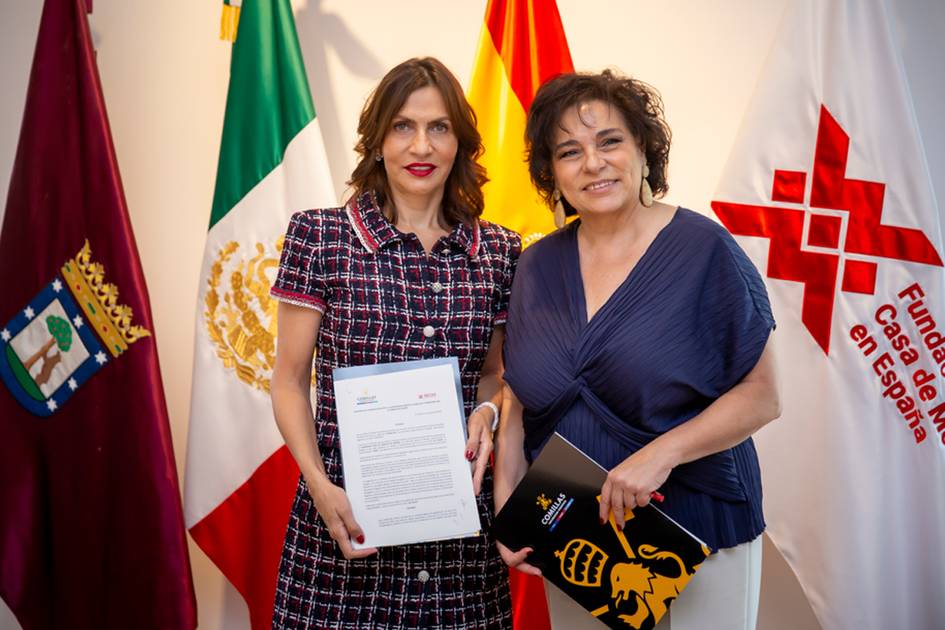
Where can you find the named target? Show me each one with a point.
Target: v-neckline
(575, 267)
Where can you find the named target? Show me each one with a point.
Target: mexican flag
(240, 478)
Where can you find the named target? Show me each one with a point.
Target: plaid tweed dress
(384, 299)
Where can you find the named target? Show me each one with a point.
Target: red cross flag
(828, 191)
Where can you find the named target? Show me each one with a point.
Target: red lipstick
(420, 169)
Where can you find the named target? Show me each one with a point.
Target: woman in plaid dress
(404, 271)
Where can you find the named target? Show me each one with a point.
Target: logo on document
(554, 510)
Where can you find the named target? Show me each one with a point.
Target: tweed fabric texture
(383, 299)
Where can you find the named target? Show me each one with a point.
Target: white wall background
(165, 73)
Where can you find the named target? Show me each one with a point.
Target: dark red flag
(91, 531)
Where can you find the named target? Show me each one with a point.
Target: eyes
(607, 143)
(407, 126)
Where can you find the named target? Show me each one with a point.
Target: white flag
(828, 191)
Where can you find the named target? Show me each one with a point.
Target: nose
(593, 161)
(421, 143)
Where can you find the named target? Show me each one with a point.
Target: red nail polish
(360, 539)
(656, 496)
(469, 455)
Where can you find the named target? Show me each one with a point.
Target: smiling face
(595, 160)
(420, 147)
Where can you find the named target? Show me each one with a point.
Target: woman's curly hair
(638, 103)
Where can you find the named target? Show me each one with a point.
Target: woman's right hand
(335, 510)
(510, 467)
(516, 559)
(290, 390)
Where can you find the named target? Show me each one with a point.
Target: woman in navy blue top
(639, 332)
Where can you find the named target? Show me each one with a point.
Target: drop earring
(559, 210)
(378, 157)
(646, 193)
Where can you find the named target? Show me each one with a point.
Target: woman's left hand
(729, 420)
(632, 482)
(479, 444)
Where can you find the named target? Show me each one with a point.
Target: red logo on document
(844, 230)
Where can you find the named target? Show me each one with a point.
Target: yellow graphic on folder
(585, 564)
(543, 501)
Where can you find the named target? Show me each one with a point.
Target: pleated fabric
(687, 324)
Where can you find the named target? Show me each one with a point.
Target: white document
(403, 438)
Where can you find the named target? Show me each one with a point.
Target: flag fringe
(229, 22)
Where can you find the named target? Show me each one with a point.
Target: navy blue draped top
(688, 323)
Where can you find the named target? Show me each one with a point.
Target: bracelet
(495, 412)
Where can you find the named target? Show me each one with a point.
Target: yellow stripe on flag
(510, 197)
(522, 44)
(229, 22)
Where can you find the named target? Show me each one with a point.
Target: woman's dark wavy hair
(462, 199)
(638, 103)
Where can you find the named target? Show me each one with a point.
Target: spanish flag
(522, 44)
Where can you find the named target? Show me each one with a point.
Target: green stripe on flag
(267, 104)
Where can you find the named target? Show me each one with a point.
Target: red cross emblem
(844, 230)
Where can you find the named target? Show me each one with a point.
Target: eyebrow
(600, 134)
(401, 118)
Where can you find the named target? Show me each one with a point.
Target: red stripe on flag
(529, 606)
(530, 39)
(244, 535)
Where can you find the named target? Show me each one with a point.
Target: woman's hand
(632, 482)
(510, 467)
(290, 389)
(479, 424)
(730, 419)
(479, 444)
(335, 510)
(516, 559)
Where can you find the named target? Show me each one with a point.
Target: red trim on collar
(474, 246)
(363, 234)
(371, 243)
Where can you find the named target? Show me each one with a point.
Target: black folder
(625, 579)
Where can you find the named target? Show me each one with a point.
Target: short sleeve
(299, 280)
(511, 262)
(734, 314)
